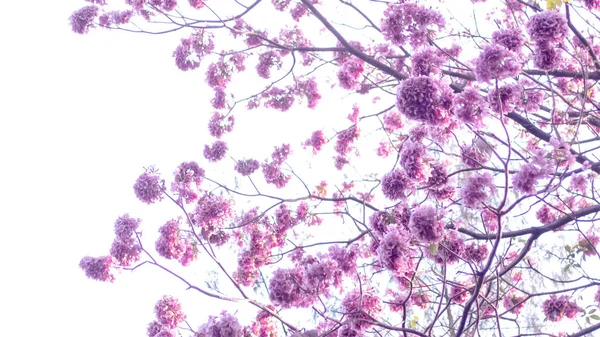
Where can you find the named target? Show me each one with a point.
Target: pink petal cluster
(546, 214)
(513, 302)
(477, 190)
(216, 151)
(380, 221)
(285, 289)
(547, 26)
(148, 187)
(496, 63)
(247, 166)
(97, 268)
(213, 212)
(279, 99)
(392, 121)
(82, 19)
(220, 124)
(316, 140)
(394, 251)
(273, 175)
(504, 98)
(472, 157)
(220, 99)
(169, 244)
(450, 249)
(168, 312)
(192, 49)
(592, 4)
(511, 39)
(555, 308)
(546, 57)
(476, 253)
(413, 160)
(226, 326)
(410, 21)
(360, 306)
(526, 179)
(350, 72)
(309, 90)
(426, 62)
(396, 185)
(266, 61)
(186, 174)
(578, 183)
(115, 18)
(219, 74)
(345, 139)
(425, 224)
(425, 99)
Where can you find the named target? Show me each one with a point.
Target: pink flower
(266, 61)
(154, 328)
(125, 226)
(459, 294)
(592, 4)
(547, 26)
(273, 175)
(218, 125)
(394, 251)
(426, 62)
(405, 21)
(247, 166)
(450, 249)
(511, 39)
(125, 251)
(168, 312)
(309, 89)
(546, 215)
(216, 151)
(472, 157)
(345, 139)
(393, 121)
(476, 253)
(83, 19)
(285, 290)
(350, 72)
(316, 140)
(556, 308)
(546, 57)
(477, 190)
(425, 99)
(169, 244)
(578, 183)
(213, 212)
(279, 99)
(496, 63)
(220, 100)
(426, 225)
(218, 74)
(356, 302)
(526, 179)
(148, 187)
(396, 184)
(97, 268)
(413, 161)
(197, 4)
(226, 326)
(504, 98)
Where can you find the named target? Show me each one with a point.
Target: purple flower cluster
(247, 166)
(511, 39)
(450, 249)
(410, 21)
(168, 312)
(226, 326)
(396, 184)
(216, 151)
(525, 180)
(83, 19)
(350, 72)
(148, 187)
(125, 248)
(426, 62)
(219, 124)
(470, 107)
(592, 4)
(316, 140)
(547, 29)
(357, 303)
(425, 99)
(413, 160)
(477, 190)
(504, 98)
(169, 244)
(496, 63)
(425, 224)
(266, 61)
(394, 251)
(97, 268)
(555, 308)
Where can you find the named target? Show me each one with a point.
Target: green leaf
(596, 317)
(568, 248)
(433, 249)
(553, 4)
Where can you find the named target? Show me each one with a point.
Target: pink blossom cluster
(392, 121)
(513, 302)
(477, 190)
(504, 98)
(148, 187)
(350, 72)
(555, 308)
(459, 294)
(425, 99)
(496, 63)
(285, 289)
(266, 61)
(309, 89)
(247, 166)
(164, 5)
(426, 61)
(396, 185)
(197, 4)
(578, 183)
(380, 221)
(171, 245)
(527, 178)
(511, 39)
(547, 29)
(219, 74)
(279, 99)
(273, 174)
(168, 313)
(225, 326)
(472, 157)
(394, 252)
(316, 141)
(546, 214)
(449, 250)
(216, 151)
(360, 306)
(125, 248)
(114, 18)
(220, 99)
(592, 4)
(410, 21)
(264, 325)
(220, 124)
(425, 224)
(98, 268)
(82, 19)
(414, 161)
(187, 173)
(192, 49)
(213, 212)
(345, 139)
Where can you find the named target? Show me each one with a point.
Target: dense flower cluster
(526, 179)
(547, 26)
(114, 18)
(449, 250)
(477, 190)
(350, 72)
(546, 57)
(169, 244)
(511, 39)
(187, 173)
(555, 308)
(284, 289)
(425, 224)
(190, 52)
(83, 19)
(218, 74)
(394, 251)
(393, 121)
(266, 61)
(213, 212)
(226, 326)
(496, 63)
(220, 124)
(279, 99)
(410, 22)
(504, 98)
(310, 90)
(396, 185)
(345, 139)
(513, 302)
(426, 62)
(168, 312)
(470, 107)
(316, 140)
(216, 151)
(413, 160)
(476, 253)
(247, 166)
(360, 307)
(97, 268)
(148, 187)
(425, 99)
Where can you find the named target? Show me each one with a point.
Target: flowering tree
(470, 209)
